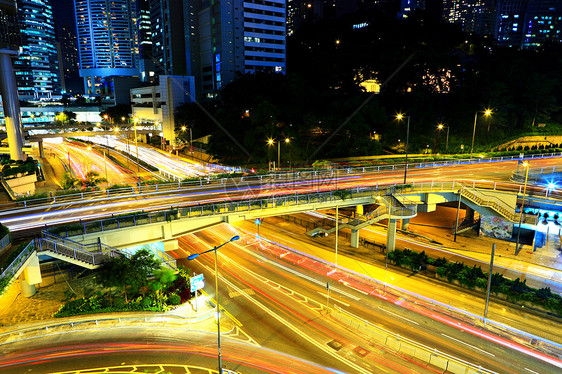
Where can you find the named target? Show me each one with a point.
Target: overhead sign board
(196, 282)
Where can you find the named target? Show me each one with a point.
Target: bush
(174, 299)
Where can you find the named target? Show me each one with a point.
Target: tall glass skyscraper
(108, 42)
(36, 67)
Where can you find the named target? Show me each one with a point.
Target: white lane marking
(471, 346)
(336, 301)
(350, 286)
(532, 371)
(304, 276)
(397, 315)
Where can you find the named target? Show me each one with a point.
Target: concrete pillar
(170, 245)
(355, 238)
(359, 210)
(405, 224)
(11, 103)
(469, 214)
(30, 276)
(41, 150)
(391, 235)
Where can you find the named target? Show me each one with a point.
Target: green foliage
(14, 168)
(474, 277)
(92, 179)
(174, 299)
(69, 182)
(3, 231)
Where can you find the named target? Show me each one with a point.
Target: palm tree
(93, 179)
(68, 181)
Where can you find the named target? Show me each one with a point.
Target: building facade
(108, 42)
(234, 36)
(168, 38)
(37, 66)
(529, 23)
(69, 65)
(9, 46)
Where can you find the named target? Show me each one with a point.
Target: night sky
(64, 12)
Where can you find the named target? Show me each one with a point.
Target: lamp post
(526, 164)
(399, 117)
(386, 249)
(440, 127)
(135, 122)
(194, 256)
(270, 142)
(487, 113)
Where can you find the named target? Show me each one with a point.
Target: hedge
(475, 278)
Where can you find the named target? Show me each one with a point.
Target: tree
(114, 274)
(115, 113)
(92, 179)
(145, 265)
(68, 181)
(163, 278)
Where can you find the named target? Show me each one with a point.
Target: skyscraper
(146, 64)
(474, 16)
(67, 47)
(108, 42)
(9, 44)
(37, 65)
(168, 37)
(226, 37)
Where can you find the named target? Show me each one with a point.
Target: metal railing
(74, 252)
(94, 254)
(15, 266)
(4, 242)
(405, 346)
(291, 176)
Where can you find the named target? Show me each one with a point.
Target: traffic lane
(122, 347)
(315, 291)
(480, 343)
(291, 307)
(423, 328)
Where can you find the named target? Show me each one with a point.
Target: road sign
(196, 282)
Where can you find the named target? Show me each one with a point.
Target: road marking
(397, 315)
(469, 345)
(336, 301)
(350, 286)
(532, 371)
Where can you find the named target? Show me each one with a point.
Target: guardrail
(214, 209)
(318, 176)
(405, 346)
(85, 252)
(350, 277)
(78, 254)
(4, 242)
(15, 266)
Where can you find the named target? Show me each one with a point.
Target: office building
(67, 47)
(168, 37)
(474, 16)
(234, 36)
(9, 45)
(146, 64)
(158, 103)
(529, 23)
(108, 43)
(37, 70)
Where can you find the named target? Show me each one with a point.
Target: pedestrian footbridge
(88, 244)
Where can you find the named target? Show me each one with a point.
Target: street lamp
(194, 256)
(525, 164)
(487, 113)
(270, 142)
(386, 249)
(399, 117)
(440, 127)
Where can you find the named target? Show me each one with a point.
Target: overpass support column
(170, 245)
(354, 238)
(358, 211)
(30, 277)
(41, 150)
(469, 215)
(405, 224)
(391, 235)
(11, 103)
